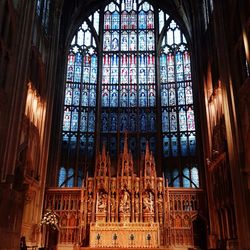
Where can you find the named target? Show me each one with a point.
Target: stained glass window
(178, 120)
(121, 83)
(79, 118)
(128, 76)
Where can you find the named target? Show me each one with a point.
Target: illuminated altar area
(126, 211)
(124, 235)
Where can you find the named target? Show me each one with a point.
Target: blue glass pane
(171, 75)
(113, 122)
(124, 75)
(182, 120)
(142, 96)
(83, 125)
(133, 96)
(106, 41)
(115, 20)
(85, 95)
(68, 95)
(105, 96)
(176, 178)
(152, 98)
(70, 69)
(124, 41)
(174, 146)
(76, 96)
(187, 67)
(172, 98)
(91, 122)
(152, 121)
(132, 122)
(86, 73)
(91, 145)
(83, 143)
(181, 95)
(192, 144)
(114, 96)
(115, 41)
(66, 120)
(142, 40)
(165, 121)
(184, 145)
(186, 181)
(92, 96)
(143, 121)
(70, 177)
(104, 122)
(142, 20)
(142, 75)
(190, 120)
(189, 95)
(179, 66)
(164, 95)
(123, 122)
(173, 121)
(166, 151)
(195, 177)
(74, 121)
(62, 177)
(78, 67)
(132, 41)
(150, 41)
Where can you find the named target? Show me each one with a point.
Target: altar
(124, 235)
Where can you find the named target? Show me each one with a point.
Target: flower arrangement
(51, 219)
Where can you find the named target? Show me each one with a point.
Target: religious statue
(102, 202)
(125, 202)
(148, 203)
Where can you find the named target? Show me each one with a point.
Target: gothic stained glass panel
(129, 99)
(179, 66)
(182, 120)
(115, 20)
(107, 20)
(166, 151)
(195, 177)
(142, 20)
(178, 121)
(78, 66)
(70, 177)
(66, 120)
(68, 95)
(133, 20)
(62, 177)
(186, 181)
(190, 119)
(142, 40)
(124, 41)
(76, 95)
(80, 97)
(70, 68)
(184, 145)
(132, 41)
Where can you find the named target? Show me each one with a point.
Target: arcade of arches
(124, 124)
